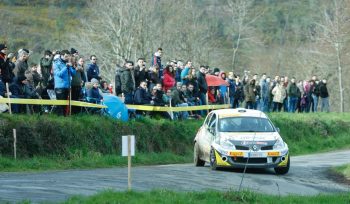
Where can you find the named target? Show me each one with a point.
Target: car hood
(250, 136)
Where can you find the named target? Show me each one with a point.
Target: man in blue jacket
(63, 72)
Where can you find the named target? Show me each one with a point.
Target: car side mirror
(278, 130)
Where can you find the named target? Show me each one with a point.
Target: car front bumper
(250, 159)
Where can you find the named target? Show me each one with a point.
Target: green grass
(343, 171)
(164, 196)
(91, 160)
(52, 142)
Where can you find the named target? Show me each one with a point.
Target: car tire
(213, 163)
(283, 170)
(196, 158)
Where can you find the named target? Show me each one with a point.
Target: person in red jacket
(169, 78)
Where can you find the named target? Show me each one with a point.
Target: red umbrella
(215, 81)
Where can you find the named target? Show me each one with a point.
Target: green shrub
(79, 136)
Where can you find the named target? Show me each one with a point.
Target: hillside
(279, 37)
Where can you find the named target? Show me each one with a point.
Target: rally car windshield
(245, 124)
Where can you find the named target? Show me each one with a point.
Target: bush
(52, 135)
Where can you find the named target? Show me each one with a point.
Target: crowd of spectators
(176, 83)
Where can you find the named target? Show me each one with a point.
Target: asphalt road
(307, 176)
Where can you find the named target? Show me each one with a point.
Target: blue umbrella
(115, 107)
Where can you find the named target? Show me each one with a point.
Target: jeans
(264, 104)
(61, 94)
(203, 101)
(277, 107)
(292, 103)
(250, 105)
(315, 102)
(325, 104)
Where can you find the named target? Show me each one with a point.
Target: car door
(202, 136)
(210, 135)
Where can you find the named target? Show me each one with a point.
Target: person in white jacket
(279, 94)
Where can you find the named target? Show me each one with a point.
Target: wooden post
(129, 162)
(8, 97)
(14, 144)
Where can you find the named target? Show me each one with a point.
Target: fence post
(14, 144)
(8, 97)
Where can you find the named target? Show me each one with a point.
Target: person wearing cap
(74, 52)
(5, 65)
(93, 94)
(63, 70)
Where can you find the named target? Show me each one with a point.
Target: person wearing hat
(74, 52)
(5, 65)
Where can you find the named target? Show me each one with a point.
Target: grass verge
(342, 172)
(89, 161)
(164, 196)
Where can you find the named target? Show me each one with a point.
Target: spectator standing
(140, 70)
(202, 86)
(6, 70)
(178, 70)
(185, 72)
(46, 67)
(169, 78)
(77, 81)
(63, 70)
(127, 79)
(93, 71)
(157, 60)
(279, 94)
(249, 94)
(324, 95)
(293, 95)
(21, 63)
(265, 94)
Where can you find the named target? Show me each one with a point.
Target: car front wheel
(196, 159)
(283, 170)
(213, 162)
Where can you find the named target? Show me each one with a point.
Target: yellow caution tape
(187, 108)
(85, 104)
(49, 102)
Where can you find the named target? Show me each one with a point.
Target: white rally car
(240, 138)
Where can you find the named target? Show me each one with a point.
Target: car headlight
(227, 144)
(279, 144)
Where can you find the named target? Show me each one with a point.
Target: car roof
(239, 112)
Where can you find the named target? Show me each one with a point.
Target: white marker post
(14, 144)
(128, 149)
(8, 97)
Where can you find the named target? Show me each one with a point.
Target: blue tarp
(115, 107)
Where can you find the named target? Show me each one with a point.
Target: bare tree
(242, 18)
(332, 38)
(114, 31)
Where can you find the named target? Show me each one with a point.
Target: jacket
(279, 93)
(202, 83)
(293, 90)
(127, 80)
(61, 75)
(168, 80)
(93, 71)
